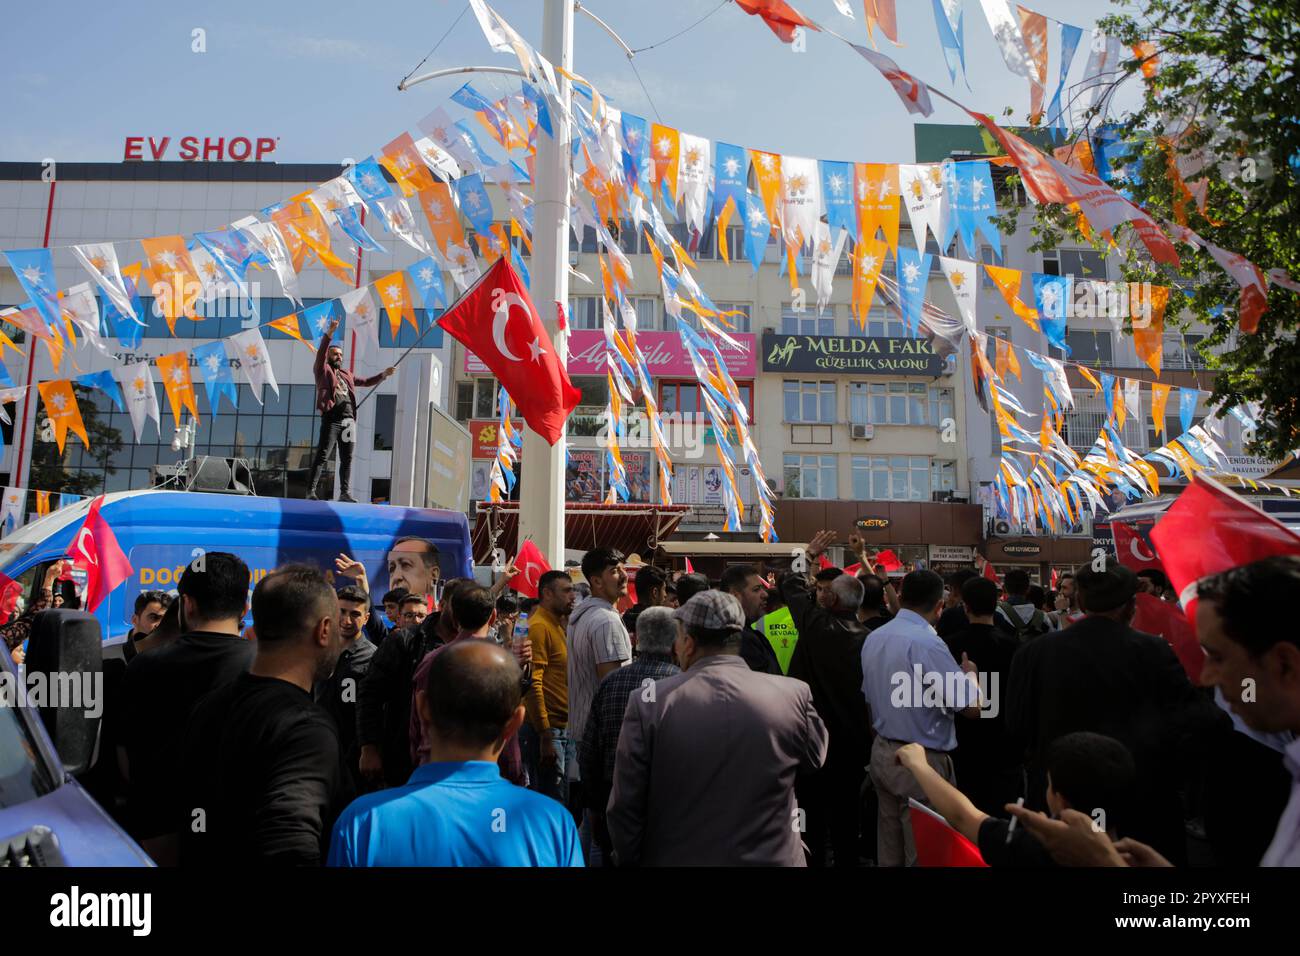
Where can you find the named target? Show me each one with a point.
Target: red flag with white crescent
(95, 550)
(1133, 549)
(531, 567)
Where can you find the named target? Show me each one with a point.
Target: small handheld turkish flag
(937, 843)
(1133, 549)
(497, 321)
(95, 550)
(531, 567)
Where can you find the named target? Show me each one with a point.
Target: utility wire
(436, 45)
(686, 30)
(632, 63)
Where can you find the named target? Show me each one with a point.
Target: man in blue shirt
(457, 810)
(914, 689)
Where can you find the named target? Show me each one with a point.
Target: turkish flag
(778, 15)
(1133, 549)
(938, 844)
(690, 568)
(889, 560)
(1210, 529)
(95, 550)
(853, 569)
(9, 592)
(823, 562)
(531, 567)
(1155, 616)
(497, 321)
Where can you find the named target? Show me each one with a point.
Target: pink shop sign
(664, 355)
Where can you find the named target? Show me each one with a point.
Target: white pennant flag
(136, 381)
(963, 280)
(826, 256)
(100, 260)
(438, 159)
(800, 198)
(250, 349)
(271, 242)
(924, 195)
(401, 223)
(462, 265)
(1006, 31)
(12, 506)
(80, 305)
(363, 320)
(694, 172)
(338, 193)
(8, 395)
(1133, 398)
(1102, 63)
(211, 277)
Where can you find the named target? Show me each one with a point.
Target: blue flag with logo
(950, 38)
(1070, 37)
(66, 500)
(837, 197)
(426, 278)
(465, 133)
(230, 249)
(34, 270)
(912, 270)
(350, 222)
(315, 320)
(105, 382)
(474, 202)
(533, 96)
(215, 366)
(730, 173)
(1187, 399)
(976, 206)
(1051, 297)
(129, 331)
(636, 153)
(757, 229)
(368, 178)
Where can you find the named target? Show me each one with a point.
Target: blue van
(45, 814)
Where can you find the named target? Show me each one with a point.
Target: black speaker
(66, 649)
(222, 476)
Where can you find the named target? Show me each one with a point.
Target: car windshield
(23, 775)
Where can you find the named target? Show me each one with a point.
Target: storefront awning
(630, 528)
(729, 548)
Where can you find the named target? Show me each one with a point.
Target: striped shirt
(596, 636)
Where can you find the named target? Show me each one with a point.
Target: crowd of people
(781, 719)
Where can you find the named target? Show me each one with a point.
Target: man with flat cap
(706, 761)
(1101, 675)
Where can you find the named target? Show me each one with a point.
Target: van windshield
(23, 775)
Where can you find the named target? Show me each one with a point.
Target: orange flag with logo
(1159, 396)
(396, 298)
(876, 189)
(175, 372)
(1033, 27)
(868, 258)
(440, 210)
(767, 171)
(1008, 283)
(1005, 359)
(304, 220)
(403, 160)
(665, 144)
(288, 324)
(1149, 332)
(61, 405)
(298, 249)
(42, 503)
(172, 267)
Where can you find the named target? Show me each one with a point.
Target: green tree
(1223, 103)
(50, 471)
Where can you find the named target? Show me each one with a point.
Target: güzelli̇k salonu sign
(849, 354)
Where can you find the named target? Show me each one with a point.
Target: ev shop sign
(205, 149)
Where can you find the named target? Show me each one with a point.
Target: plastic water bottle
(520, 635)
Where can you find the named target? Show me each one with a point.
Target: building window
(810, 476)
(810, 402)
(986, 257)
(585, 312)
(807, 322)
(943, 475)
(891, 477)
(1080, 263)
(385, 416)
(1180, 351)
(381, 491)
(648, 314)
(684, 397)
(899, 403)
(739, 323)
(1084, 422)
(476, 399)
(1093, 347)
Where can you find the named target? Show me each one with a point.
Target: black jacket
(338, 695)
(828, 658)
(384, 697)
(758, 653)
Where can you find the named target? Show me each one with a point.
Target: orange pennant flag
(175, 282)
(396, 298)
(878, 201)
(1159, 396)
(1149, 331)
(665, 143)
(175, 371)
(1146, 52)
(293, 242)
(403, 160)
(42, 503)
(61, 405)
(1096, 385)
(881, 13)
(868, 258)
(1033, 27)
(309, 226)
(724, 220)
(288, 324)
(767, 171)
(1006, 359)
(1008, 283)
(440, 210)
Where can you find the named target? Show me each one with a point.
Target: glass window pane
(385, 417)
(809, 413)
(791, 395)
(897, 409)
(274, 429)
(302, 399)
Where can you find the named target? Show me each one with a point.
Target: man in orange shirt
(548, 694)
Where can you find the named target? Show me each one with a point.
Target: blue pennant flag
(129, 331)
(1108, 392)
(954, 49)
(368, 178)
(1070, 37)
(66, 500)
(1052, 294)
(912, 270)
(465, 133)
(215, 366)
(34, 270)
(350, 222)
(315, 320)
(757, 229)
(517, 261)
(474, 202)
(105, 382)
(636, 154)
(948, 177)
(976, 206)
(730, 174)
(5, 378)
(231, 250)
(837, 197)
(426, 278)
(1187, 399)
(533, 96)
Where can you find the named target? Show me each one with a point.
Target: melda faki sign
(189, 149)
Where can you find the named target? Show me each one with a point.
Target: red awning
(630, 528)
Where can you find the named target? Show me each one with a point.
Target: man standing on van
(336, 399)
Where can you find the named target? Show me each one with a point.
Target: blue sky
(324, 79)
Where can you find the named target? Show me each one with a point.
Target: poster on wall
(583, 476)
(639, 487)
(478, 480)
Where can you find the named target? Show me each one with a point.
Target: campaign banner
(664, 355)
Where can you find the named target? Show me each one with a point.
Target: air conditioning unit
(860, 432)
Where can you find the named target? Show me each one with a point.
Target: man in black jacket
(338, 692)
(828, 658)
(746, 585)
(1102, 676)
